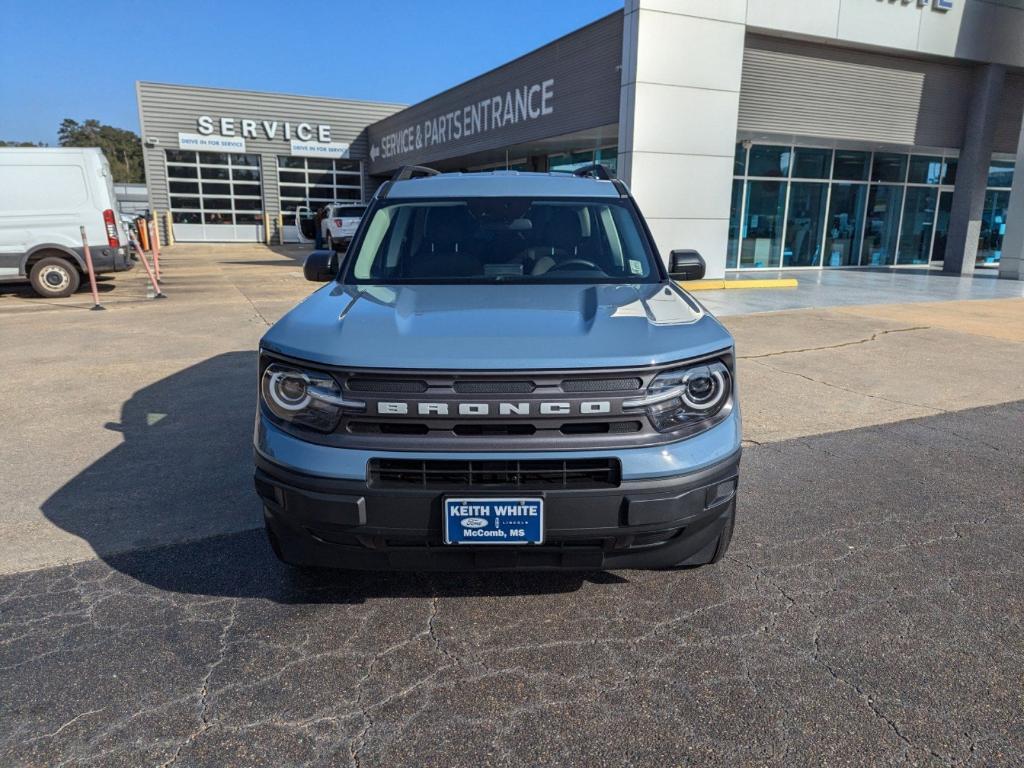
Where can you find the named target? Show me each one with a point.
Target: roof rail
(412, 172)
(595, 171)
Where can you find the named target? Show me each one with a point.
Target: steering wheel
(576, 264)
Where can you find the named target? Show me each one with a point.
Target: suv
(500, 374)
(339, 224)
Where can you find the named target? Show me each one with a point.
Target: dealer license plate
(493, 521)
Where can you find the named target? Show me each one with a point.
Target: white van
(46, 195)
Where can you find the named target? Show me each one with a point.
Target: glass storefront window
(918, 225)
(762, 225)
(925, 170)
(740, 160)
(812, 163)
(882, 226)
(1000, 174)
(851, 165)
(769, 160)
(734, 224)
(889, 167)
(883, 208)
(843, 226)
(942, 226)
(949, 171)
(993, 226)
(804, 224)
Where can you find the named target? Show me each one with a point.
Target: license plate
(493, 521)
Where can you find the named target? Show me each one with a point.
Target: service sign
(212, 143)
(337, 149)
(526, 102)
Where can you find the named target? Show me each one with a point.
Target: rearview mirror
(686, 265)
(320, 266)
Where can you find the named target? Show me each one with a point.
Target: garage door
(215, 196)
(315, 182)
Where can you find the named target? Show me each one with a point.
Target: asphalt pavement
(869, 611)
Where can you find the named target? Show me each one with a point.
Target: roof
(502, 184)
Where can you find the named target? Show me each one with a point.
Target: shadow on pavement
(184, 471)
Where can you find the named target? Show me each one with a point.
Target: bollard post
(266, 228)
(280, 229)
(145, 262)
(92, 272)
(170, 229)
(154, 226)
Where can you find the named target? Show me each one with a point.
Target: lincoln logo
(586, 408)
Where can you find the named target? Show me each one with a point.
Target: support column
(972, 170)
(682, 62)
(1011, 263)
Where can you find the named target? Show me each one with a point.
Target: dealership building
(766, 134)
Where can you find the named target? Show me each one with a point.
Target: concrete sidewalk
(820, 289)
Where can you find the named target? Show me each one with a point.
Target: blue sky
(67, 58)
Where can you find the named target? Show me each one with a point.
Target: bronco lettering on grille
(587, 408)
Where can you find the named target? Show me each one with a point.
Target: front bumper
(646, 523)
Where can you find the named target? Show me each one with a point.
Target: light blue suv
(500, 375)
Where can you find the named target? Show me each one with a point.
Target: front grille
(602, 385)
(389, 386)
(493, 387)
(533, 475)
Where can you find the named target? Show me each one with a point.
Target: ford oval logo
(474, 522)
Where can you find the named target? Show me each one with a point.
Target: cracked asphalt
(869, 611)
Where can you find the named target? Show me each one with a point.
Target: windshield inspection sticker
(636, 267)
(493, 521)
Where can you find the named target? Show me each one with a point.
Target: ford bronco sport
(501, 374)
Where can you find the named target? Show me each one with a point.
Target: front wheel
(54, 278)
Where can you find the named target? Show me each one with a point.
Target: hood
(497, 327)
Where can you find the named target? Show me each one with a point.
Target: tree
(122, 148)
(22, 144)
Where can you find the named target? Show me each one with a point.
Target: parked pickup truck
(500, 374)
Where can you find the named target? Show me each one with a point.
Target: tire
(54, 277)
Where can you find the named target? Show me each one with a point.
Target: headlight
(684, 397)
(306, 398)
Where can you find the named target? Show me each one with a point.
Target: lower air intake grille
(533, 475)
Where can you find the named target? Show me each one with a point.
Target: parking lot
(869, 612)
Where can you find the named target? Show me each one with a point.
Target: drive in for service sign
(493, 521)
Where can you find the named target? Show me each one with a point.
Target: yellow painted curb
(733, 285)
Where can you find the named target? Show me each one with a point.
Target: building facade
(766, 134)
(234, 165)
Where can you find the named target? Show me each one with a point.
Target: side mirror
(320, 266)
(686, 265)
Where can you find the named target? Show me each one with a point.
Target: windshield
(503, 239)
